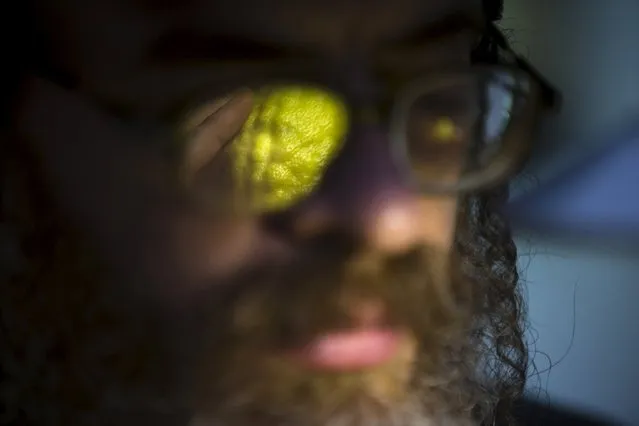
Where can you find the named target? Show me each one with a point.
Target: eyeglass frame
(518, 137)
(542, 97)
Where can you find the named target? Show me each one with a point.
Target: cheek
(210, 250)
(438, 217)
(206, 253)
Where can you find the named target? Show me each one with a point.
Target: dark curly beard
(282, 307)
(74, 352)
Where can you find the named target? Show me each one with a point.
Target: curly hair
(484, 242)
(489, 245)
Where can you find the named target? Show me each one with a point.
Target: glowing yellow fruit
(286, 144)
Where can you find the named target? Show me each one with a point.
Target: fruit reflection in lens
(437, 135)
(454, 131)
(286, 144)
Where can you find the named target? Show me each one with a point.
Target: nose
(363, 195)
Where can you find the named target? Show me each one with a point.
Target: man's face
(346, 306)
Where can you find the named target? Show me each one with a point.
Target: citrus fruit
(287, 142)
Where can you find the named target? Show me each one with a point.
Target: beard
(77, 351)
(241, 380)
(101, 361)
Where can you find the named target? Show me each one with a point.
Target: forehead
(324, 24)
(330, 23)
(115, 49)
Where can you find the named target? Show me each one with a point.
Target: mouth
(349, 350)
(356, 363)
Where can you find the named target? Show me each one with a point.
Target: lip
(349, 350)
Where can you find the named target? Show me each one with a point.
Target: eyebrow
(186, 44)
(195, 45)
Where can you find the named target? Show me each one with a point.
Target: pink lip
(349, 349)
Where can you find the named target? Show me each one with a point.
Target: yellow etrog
(286, 144)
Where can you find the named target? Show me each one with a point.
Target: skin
(110, 62)
(197, 289)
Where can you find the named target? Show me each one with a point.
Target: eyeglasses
(268, 145)
(448, 132)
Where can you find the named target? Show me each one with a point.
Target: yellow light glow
(444, 130)
(287, 142)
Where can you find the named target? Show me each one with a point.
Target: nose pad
(363, 195)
